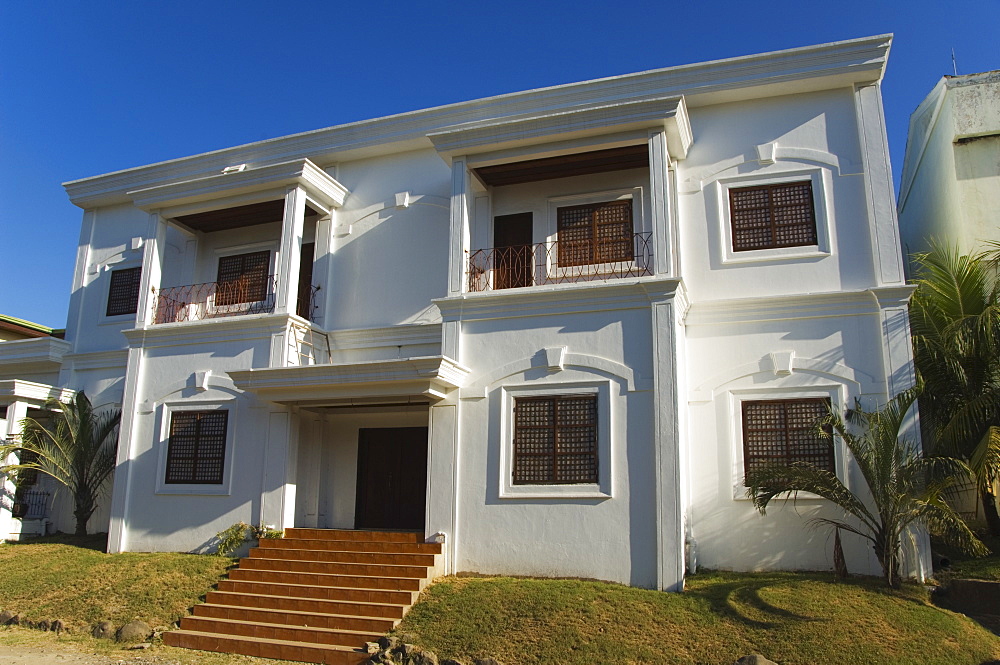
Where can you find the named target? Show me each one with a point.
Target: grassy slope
(790, 618)
(82, 585)
(986, 568)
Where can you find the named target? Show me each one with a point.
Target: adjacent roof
(820, 67)
(27, 328)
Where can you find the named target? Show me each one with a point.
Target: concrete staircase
(316, 596)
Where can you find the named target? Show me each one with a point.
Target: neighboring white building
(386, 324)
(950, 186)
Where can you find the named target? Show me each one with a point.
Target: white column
(152, 269)
(128, 433)
(900, 375)
(666, 443)
(9, 527)
(663, 227)
(458, 238)
(323, 267)
(290, 253)
(277, 498)
(442, 480)
(886, 250)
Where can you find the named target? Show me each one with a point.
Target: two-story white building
(552, 328)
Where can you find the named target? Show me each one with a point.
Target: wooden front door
(392, 478)
(512, 247)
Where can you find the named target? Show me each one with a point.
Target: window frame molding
(733, 413)
(553, 203)
(821, 180)
(602, 489)
(164, 416)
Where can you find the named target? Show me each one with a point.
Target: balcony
(212, 300)
(560, 262)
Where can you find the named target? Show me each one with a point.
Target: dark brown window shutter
(555, 440)
(197, 448)
(242, 278)
(123, 294)
(784, 432)
(771, 216)
(595, 233)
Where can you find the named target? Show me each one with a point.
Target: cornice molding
(209, 331)
(401, 335)
(116, 359)
(667, 113)
(636, 293)
(817, 67)
(50, 350)
(784, 307)
(31, 391)
(426, 377)
(323, 189)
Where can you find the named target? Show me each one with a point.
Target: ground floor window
(555, 440)
(784, 431)
(196, 449)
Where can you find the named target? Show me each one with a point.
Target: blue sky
(92, 87)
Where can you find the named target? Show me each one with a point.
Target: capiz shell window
(772, 216)
(197, 447)
(786, 432)
(243, 278)
(555, 440)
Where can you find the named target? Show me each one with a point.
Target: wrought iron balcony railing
(196, 302)
(560, 262)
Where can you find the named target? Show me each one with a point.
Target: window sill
(193, 490)
(588, 491)
(740, 494)
(775, 254)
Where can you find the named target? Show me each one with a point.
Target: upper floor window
(784, 432)
(197, 447)
(772, 216)
(555, 440)
(243, 278)
(123, 293)
(595, 233)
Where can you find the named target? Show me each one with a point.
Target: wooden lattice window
(123, 294)
(595, 233)
(243, 278)
(771, 216)
(196, 451)
(785, 432)
(555, 440)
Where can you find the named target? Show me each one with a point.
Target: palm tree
(77, 449)
(955, 321)
(904, 488)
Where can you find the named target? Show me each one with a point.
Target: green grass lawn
(791, 618)
(63, 577)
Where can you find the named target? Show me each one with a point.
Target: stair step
(306, 591)
(327, 580)
(334, 568)
(376, 625)
(394, 558)
(349, 545)
(284, 632)
(391, 611)
(348, 534)
(263, 648)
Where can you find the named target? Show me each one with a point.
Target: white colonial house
(549, 330)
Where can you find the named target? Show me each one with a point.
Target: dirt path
(63, 654)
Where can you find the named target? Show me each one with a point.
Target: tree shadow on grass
(94, 541)
(742, 601)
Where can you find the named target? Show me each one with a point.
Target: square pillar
(290, 253)
(459, 236)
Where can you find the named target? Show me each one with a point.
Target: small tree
(76, 449)
(904, 487)
(955, 320)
